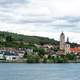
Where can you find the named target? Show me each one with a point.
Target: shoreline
(40, 62)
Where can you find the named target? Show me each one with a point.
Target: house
(49, 46)
(11, 56)
(38, 46)
(1, 56)
(21, 53)
(74, 50)
(29, 51)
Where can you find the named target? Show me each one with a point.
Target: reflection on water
(39, 71)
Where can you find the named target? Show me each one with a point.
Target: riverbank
(78, 61)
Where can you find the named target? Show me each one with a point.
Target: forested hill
(8, 39)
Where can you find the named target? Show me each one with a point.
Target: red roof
(74, 49)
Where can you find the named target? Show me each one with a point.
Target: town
(45, 53)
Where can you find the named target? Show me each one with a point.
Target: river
(11, 71)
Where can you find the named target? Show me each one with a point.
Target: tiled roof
(74, 49)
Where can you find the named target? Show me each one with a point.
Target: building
(11, 56)
(62, 41)
(74, 50)
(67, 46)
(1, 56)
(20, 53)
(64, 46)
(29, 51)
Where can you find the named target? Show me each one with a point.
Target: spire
(67, 40)
(62, 33)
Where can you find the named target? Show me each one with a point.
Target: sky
(46, 18)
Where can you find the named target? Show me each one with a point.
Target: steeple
(67, 40)
(67, 46)
(62, 34)
(62, 41)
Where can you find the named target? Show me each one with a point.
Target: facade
(67, 46)
(62, 41)
(64, 46)
(11, 56)
(1, 56)
(29, 51)
(20, 53)
(74, 50)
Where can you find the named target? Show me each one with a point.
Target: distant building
(67, 46)
(62, 41)
(64, 46)
(10, 56)
(29, 51)
(49, 46)
(1, 56)
(21, 53)
(74, 50)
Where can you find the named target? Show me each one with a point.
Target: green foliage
(54, 42)
(57, 59)
(50, 59)
(9, 38)
(41, 51)
(73, 45)
(56, 49)
(45, 60)
(25, 55)
(14, 37)
(33, 58)
(71, 56)
(21, 39)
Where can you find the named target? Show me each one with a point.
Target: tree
(25, 55)
(9, 38)
(33, 58)
(41, 51)
(71, 56)
(56, 49)
(73, 45)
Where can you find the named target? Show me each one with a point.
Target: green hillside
(8, 39)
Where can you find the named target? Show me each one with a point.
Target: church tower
(62, 41)
(67, 46)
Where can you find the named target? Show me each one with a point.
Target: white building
(11, 56)
(1, 56)
(21, 53)
(29, 51)
(65, 46)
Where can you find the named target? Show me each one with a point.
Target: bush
(33, 59)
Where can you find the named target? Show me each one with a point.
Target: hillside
(8, 39)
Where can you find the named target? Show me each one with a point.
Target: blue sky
(46, 18)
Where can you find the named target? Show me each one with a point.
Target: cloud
(10, 2)
(38, 17)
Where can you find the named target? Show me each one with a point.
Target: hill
(8, 39)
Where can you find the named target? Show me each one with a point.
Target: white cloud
(46, 18)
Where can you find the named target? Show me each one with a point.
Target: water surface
(39, 71)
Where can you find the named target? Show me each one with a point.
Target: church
(64, 46)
